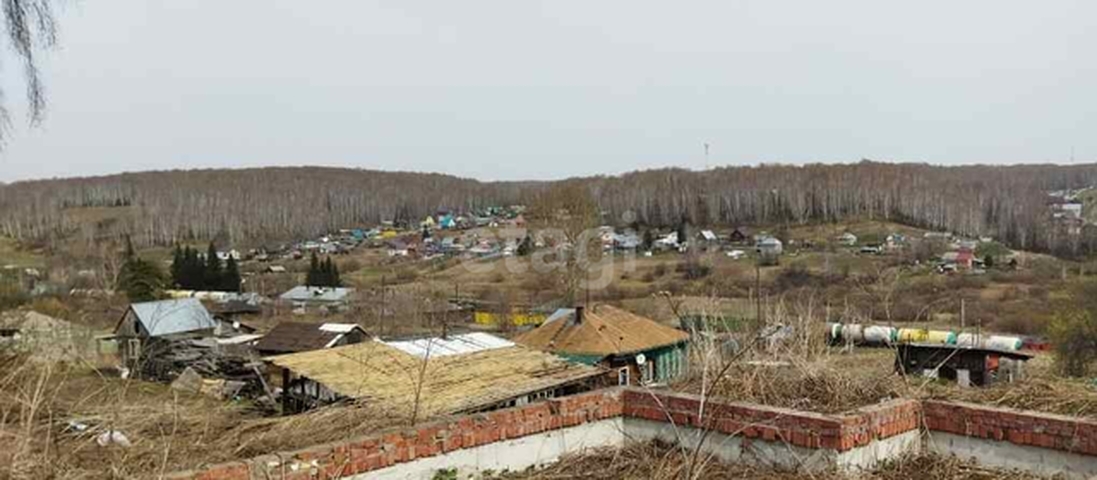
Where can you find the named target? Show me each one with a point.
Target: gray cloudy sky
(508, 89)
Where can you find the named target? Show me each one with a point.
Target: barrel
(1004, 343)
(913, 335)
(853, 333)
(942, 337)
(834, 332)
(879, 335)
(968, 340)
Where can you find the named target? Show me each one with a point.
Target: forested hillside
(277, 203)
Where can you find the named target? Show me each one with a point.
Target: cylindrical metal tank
(853, 333)
(834, 332)
(879, 335)
(942, 337)
(968, 340)
(913, 335)
(1003, 343)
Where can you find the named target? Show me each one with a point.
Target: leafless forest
(270, 204)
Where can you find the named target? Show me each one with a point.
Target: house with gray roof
(148, 323)
(329, 298)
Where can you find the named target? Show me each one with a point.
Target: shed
(293, 337)
(741, 235)
(966, 365)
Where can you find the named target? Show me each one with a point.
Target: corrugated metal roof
(316, 294)
(453, 345)
(168, 317)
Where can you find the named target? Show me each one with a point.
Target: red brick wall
(1070, 434)
(373, 452)
(802, 429)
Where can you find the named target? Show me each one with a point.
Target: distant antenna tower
(706, 155)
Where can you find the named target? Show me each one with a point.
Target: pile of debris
(203, 366)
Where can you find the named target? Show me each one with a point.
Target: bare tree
(30, 28)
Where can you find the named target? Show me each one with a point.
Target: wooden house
(635, 349)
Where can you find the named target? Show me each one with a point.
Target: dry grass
(659, 461)
(1042, 390)
(169, 431)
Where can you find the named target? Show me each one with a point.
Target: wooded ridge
(267, 204)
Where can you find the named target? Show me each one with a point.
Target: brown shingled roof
(293, 337)
(604, 331)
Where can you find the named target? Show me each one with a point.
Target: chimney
(578, 315)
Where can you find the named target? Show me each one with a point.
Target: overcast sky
(524, 89)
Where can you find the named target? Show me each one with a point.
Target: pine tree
(230, 279)
(213, 270)
(141, 280)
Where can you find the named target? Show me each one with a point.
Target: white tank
(834, 332)
(968, 340)
(853, 333)
(1003, 343)
(879, 335)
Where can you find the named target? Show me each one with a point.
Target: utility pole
(381, 317)
(706, 155)
(758, 293)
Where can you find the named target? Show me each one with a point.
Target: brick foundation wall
(799, 428)
(1032, 429)
(840, 433)
(365, 454)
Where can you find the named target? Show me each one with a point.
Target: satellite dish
(641, 359)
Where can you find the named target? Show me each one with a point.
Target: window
(622, 376)
(133, 348)
(647, 372)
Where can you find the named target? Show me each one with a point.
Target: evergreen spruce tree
(312, 279)
(333, 272)
(177, 261)
(213, 270)
(649, 240)
(193, 270)
(230, 279)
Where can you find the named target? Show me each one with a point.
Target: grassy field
(11, 253)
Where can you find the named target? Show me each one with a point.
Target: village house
(304, 298)
(293, 337)
(426, 377)
(769, 247)
(847, 239)
(636, 350)
(741, 235)
(147, 326)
